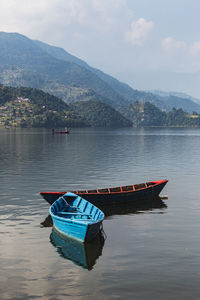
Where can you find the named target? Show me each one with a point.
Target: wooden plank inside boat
(139, 186)
(104, 190)
(92, 191)
(127, 188)
(115, 190)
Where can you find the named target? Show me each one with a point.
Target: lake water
(150, 252)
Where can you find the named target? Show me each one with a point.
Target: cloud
(108, 14)
(30, 15)
(34, 17)
(169, 44)
(180, 55)
(195, 49)
(172, 46)
(140, 31)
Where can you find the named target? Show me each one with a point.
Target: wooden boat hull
(114, 195)
(81, 232)
(81, 223)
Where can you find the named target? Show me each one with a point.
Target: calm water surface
(151, 251)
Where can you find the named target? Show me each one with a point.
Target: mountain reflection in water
(82, 254)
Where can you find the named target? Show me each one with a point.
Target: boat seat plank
(74, 213)
(89, 221)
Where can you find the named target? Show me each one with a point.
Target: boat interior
(120, 189)
(75, 207)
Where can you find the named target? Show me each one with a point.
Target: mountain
(163, 100)
(176, 94)
(21, 57)
(166, 80)
(168, 101)
(121, 88)
(30, 63)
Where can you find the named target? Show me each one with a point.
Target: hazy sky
(119, 37)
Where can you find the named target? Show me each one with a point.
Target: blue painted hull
(77, 230)
(82, 224)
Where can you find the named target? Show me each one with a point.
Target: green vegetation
(34, 108)
(148, 115)
(99, 114)
(27, 107)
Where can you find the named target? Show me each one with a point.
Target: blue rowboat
(76, 218)
(84, 255)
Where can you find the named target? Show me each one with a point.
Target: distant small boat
(76, 218)
(60, 131)
(82, 254)
(114, 195)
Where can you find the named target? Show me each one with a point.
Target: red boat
(114, 195)
(60, 131)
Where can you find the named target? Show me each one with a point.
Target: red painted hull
(114, 195)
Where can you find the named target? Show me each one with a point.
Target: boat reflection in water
(139, 206)
(82, 254)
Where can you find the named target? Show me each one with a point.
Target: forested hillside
(28, 107)
(148, 115)
(99, 114)
(31, 107)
